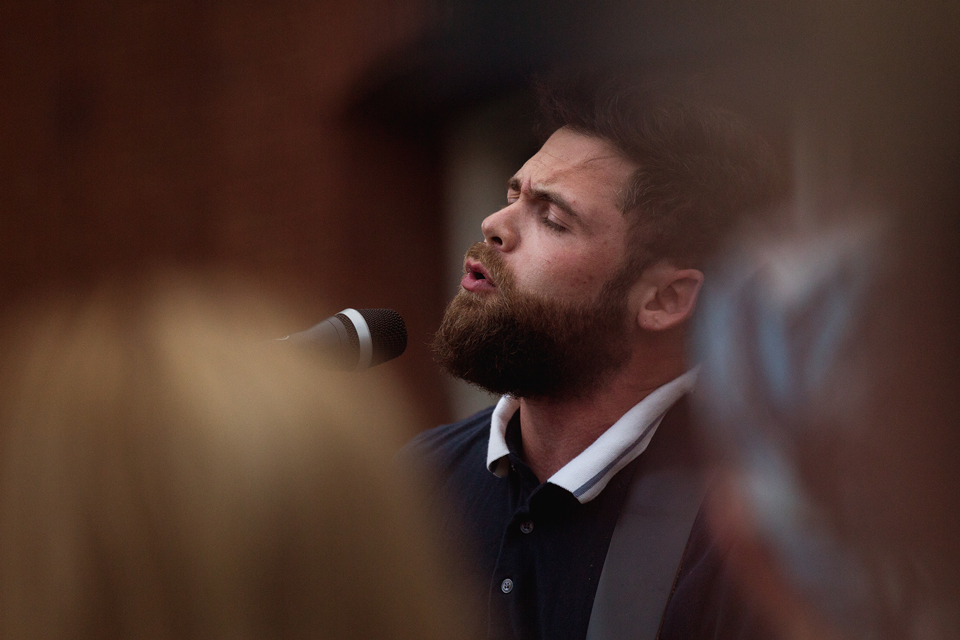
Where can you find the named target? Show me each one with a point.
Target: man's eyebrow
(547, 195)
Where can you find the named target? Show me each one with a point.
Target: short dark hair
(702, 168)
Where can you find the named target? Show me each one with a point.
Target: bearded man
(575, 308)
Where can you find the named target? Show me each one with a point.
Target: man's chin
(525, 347)
(476, 300)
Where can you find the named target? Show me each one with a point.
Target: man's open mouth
(476, 277)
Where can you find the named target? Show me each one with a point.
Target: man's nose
(499, 229)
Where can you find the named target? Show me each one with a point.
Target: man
(575, 308)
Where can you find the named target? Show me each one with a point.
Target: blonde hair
(166, 471)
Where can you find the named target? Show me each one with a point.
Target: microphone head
(388, 333)
(356, 339)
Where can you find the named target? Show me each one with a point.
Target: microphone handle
(333, 339)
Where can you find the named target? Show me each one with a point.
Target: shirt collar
(586, 475)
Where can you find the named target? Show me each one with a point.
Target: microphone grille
(388, 333)
(351, 334)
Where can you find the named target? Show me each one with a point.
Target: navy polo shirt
(533, 548)
(535, 551)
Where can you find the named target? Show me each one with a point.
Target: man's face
(562, 234)
(542, 309)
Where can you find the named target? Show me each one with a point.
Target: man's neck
(556, 430)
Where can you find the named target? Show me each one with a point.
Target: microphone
(356, 339)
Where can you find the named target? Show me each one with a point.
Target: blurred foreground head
(167, 472)
(830, 385)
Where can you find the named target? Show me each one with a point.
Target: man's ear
(666, 296)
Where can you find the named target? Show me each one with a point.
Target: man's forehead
(580, 161)
(567, 152)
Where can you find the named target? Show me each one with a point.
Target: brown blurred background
(344, 152)
(138, 133)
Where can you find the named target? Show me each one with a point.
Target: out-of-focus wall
(137, 132)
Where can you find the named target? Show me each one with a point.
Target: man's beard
(526, 346)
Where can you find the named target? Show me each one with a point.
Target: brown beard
(527, 346)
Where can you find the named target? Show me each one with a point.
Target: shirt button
(506, 586)
(527, 526)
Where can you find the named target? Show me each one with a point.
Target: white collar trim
(587, 474)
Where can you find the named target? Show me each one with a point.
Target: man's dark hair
(701, 168)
